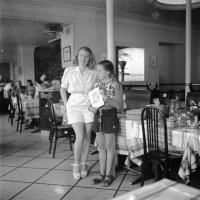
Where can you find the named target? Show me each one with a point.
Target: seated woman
(30, 89)
(7, 89)
(41, 84)
(18, 89)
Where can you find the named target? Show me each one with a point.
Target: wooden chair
(155, 144)
(11, 110)
(58, 131)
(20, 114)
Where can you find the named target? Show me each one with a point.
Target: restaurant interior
(155, 48)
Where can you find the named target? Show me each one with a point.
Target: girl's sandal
(99, 179)
(108, 180)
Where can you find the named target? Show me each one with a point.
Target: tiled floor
(28, 172)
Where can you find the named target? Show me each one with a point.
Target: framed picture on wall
(67, 54)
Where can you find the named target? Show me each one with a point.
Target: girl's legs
(110, 150)
(102, 157)
(102, 152)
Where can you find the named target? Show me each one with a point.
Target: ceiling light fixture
(53, 28)
(174, 4)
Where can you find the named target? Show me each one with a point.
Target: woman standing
(105, 120)
(79, 80)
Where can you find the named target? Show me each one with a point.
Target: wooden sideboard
(44, 97)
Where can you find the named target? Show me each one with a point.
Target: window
(133, 69)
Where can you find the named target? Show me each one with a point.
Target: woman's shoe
(84, 171)
(99, 179)
(108, 180)
(76, 171)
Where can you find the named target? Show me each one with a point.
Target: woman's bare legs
(86, 147)
(81, 145)
(86, 142)
(79, 129)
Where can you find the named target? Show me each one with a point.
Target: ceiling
(17, 31)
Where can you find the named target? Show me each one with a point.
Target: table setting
(183, 136)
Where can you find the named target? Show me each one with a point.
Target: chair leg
(17, 124)
(12, 117)
(55, 143)
(11, 120)
(21, 123)
(70, 140)
(51, 135)
(144, 164)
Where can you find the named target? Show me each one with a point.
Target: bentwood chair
(11, 109)
(58, 131)
(155, 144)
(20, 114)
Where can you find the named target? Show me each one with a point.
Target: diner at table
(26, 103)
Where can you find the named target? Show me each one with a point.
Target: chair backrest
(19, 104)
(154, 130)
(10, 102)
(52, 117)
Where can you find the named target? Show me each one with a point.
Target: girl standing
(105, 120)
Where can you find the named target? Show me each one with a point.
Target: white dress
(78, 85)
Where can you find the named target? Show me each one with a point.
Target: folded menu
(96, 98)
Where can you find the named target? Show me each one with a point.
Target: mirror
(130, 64)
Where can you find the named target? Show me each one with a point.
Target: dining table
(129, 141)
(164, 189)
(30, 107)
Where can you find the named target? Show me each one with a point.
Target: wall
(89, 29)
(10, 56)
(67, 46)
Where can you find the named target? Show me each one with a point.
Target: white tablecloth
(162, 190)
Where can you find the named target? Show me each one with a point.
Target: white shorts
(79, 116)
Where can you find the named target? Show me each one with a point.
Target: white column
(110, 35)
(188, 46)
(26, 69)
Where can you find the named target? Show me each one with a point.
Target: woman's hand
(92, 109)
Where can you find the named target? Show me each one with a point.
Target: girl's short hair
(92, 62)
(108, 66)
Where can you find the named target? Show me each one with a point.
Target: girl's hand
(102, 92)
(92, 109)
